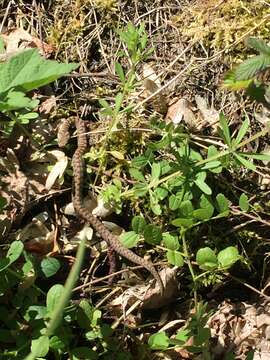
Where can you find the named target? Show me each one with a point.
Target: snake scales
(111, 239)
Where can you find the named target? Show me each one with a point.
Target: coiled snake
(111, 239)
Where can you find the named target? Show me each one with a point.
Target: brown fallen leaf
(16, 40)
(180, 111)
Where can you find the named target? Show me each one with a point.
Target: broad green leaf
(50, 266)
(140, 190)
(53, 296)
(248, 164)
(129, 239)
(223, 203)
(159, 341)
(161, 193)
(181, 222)
(28, 70)
(15, 251)
(136, 174)
(35, 312)
(183, 335)
(203, 334)
(228, 257)
(17, 100)
(250, 67)
(186, 208)
(242, 131)
(225, 129)
(244, 202)
(56, 343)
(211, 165)
(85, 314)
(152, 234)
(141, 160)
(258, 44)
(120, 72)
(174, 201)
(203, 186)
(170, 242)
(203, 214)
(138, 224)
(175, 258)
(206, 259)
(155, 207)
(155, 171)
(40, 346)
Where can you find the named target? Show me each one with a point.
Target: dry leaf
(181, 111)
(210, 115)
(19, 39)
(151, 84)
(58, 169)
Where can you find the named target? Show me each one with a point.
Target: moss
(220, 25)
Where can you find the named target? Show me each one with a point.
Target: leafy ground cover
(177, 166)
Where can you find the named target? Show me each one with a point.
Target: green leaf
(56, 343)
(258, 44)
(155, 171)
(181, 222)
(222, 203)
(106, 106)
(203, 186)
(183, 335)
(225, 129)
(161, 193)
(159, 341)
(170, 242)
(50, 266)
(120, 72)
(211, 165)
(242, 131)
(152, 234)
(53, 296)
(203, 214)
(136, 174)
(244, 202)
(118, 102)
(175, 258)
(250, 67)
(206, 259)
(228, 257)
(85, 315)
(186, 208)
(129, 239)
(138, 224)
(175, 201)
(40, 346)
(140, 190)
(231, 83)
(262, 156)
(249, 165)
(142, 160)
(17, 100)
(28, 70)
(15, 251)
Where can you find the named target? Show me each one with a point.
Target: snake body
(111, 239)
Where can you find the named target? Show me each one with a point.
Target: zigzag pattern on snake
(111, 239)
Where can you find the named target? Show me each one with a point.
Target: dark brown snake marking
(111, 239)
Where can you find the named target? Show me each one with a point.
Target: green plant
(21, 74)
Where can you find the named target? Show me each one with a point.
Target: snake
(112, 240)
